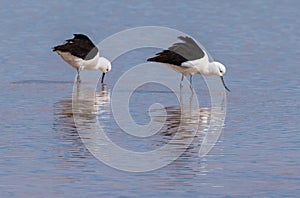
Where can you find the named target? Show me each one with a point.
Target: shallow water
(257, 153)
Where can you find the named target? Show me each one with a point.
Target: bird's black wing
(179, 52)
(80, 46)
(169, 57)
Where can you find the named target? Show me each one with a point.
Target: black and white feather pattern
(178, 53)
(80, 46)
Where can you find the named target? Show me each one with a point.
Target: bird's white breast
(199, 66)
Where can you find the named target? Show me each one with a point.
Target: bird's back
(80, 46)
(168, 57)
(179, 53)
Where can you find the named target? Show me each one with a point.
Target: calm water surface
(258, 153)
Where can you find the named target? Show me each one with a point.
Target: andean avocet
(188, 58)
(81, 53)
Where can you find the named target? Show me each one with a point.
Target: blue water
(258, 152)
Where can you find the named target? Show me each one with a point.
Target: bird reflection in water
(185, 123)
(65, 128)
(182, 124)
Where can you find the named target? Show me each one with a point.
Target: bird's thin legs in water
(191, 99)
(78, 76)
(191, 84)
(192, 95)
(181, 82)
(181, 99)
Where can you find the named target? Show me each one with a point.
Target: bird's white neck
(208, 69)
(103, 64)
(213, 69)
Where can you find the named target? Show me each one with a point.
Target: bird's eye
(221, 71)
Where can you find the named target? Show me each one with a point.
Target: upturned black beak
(224, 84)
(102, 78)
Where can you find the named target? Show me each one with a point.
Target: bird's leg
(181, 100)
(78, 75)
(191, 84)
(191, 100)
(181, 82)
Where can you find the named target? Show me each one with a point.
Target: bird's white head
(104, 65)
(219, 68)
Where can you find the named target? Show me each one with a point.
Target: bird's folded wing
(187, 49)
(180, 54)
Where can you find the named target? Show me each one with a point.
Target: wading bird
(81, 53)
(188, 58)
